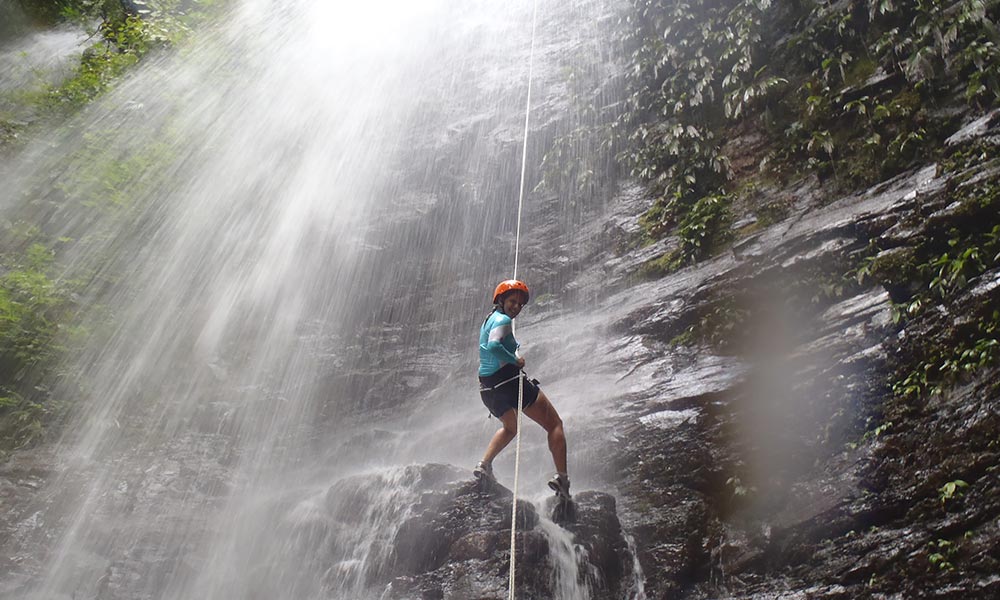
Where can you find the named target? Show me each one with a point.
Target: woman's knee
(557, 430)
(552, 419)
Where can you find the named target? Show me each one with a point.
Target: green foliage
(700, 231)
(28, 301)
(39, 318)
(572, 163)
(952, 489)
(884, 139)
(896, 269)
(124, 42)
(722, 326)
(845, 96)
(36, 308)
(970, 155)
(969, 252)
(21, 421)
(928, 31)
(981, 58)
(952, 270)
(108, 175)
(701, 226)
(48, 12)
(877, 431)
(685, 338)
(123, 37)
(868, 76)
(85, 11)
(942, 365)
(691, 70)
(8, 131)
(771, 212)
(941, 553)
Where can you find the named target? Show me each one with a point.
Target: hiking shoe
(560, 485)
(483, 471)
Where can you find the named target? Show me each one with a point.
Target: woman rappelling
(502, 381)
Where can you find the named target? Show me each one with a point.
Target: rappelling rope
(517, 249)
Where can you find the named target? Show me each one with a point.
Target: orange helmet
(510, 285)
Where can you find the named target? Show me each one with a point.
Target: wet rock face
(455, 545)
(414, 532)
(592, 519)
(457, 542)
(752, 433)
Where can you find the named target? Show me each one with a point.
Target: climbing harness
(517, 248)
(520, 375)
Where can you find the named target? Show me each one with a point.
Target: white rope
(513, 509)
(517, 248)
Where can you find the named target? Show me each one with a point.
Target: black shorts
(504, 397)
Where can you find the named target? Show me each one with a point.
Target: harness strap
(482, 388)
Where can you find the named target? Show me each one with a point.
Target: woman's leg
(543, 413)
(503, 436)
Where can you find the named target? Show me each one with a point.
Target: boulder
(456, 545)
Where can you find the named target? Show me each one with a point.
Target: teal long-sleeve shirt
(496, 343)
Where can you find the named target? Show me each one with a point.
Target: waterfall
(282, 280)
(36, 58)
(569, 581)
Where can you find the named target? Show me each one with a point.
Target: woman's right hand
(520, 362)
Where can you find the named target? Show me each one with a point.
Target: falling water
(312, 200)
(28, 61)
(569, 581)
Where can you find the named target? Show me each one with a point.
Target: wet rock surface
(770, 453)
(455, 544)
(421, 531)
(154, 541)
